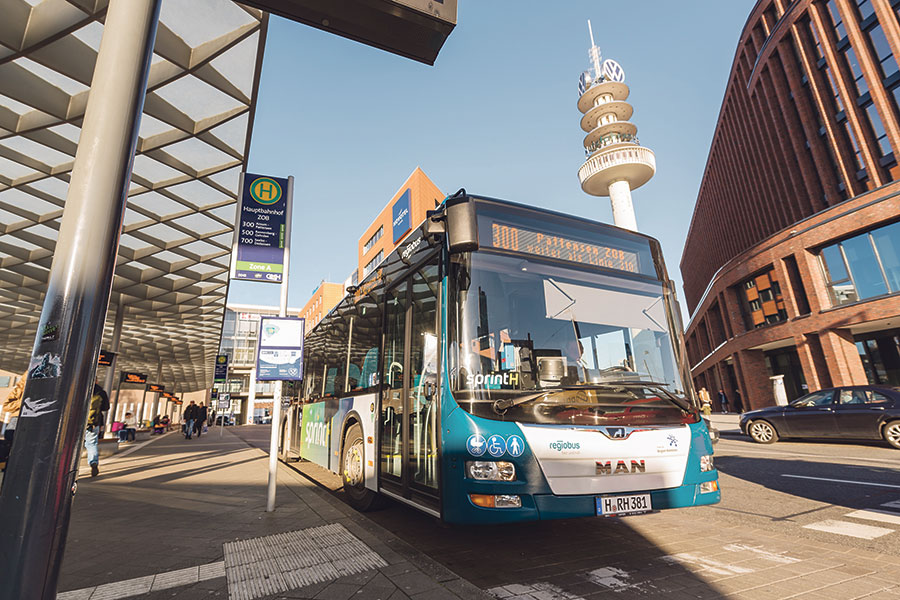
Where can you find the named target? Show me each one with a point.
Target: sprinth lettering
(496, 379)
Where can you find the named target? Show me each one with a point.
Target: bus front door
(409, 407)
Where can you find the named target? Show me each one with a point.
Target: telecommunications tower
(616, 162)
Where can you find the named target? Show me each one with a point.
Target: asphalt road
(788, 501)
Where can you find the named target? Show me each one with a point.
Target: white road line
(866, 532)
(887, 485)
(779, 558)
(707, 564)
(873, 514)
(892, 504)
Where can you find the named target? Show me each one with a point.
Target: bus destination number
(623, 505)
(507, 237)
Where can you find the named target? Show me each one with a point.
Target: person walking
(723, 401)
(202, 414)
(189, 416)
(99, 404)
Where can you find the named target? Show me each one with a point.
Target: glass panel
(884, 143)
(814, 399)
(887, 241)
(883, 51)
(839, 283)
(336, 334)
(836, 20)
(853, 63)
(536, 336)
(363, 370)
(392, 402)
(423, 361)
(864, 267)
(865, 9)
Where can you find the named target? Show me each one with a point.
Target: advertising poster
(262, 228)
(280, 354)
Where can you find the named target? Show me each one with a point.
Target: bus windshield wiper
(501, 406)
(656, 385)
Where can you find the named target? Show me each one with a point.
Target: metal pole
(36, 498)
(282, 312)
(111, 370)
(251, 397)
(140, 419)
(156, 394)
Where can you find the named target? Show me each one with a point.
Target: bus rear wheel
(353, 470)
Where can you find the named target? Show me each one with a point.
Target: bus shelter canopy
(173, 260)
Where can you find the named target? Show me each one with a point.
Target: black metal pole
(36, 497)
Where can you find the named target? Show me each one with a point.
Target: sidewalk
(728, 423)
(186, 518)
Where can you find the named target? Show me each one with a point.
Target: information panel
(262, 228)
(280, 355)
(221, 371)
(517, 239)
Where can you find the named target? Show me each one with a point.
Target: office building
(792, 262)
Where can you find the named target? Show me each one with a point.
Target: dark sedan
(864, 412)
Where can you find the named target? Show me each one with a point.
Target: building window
(762, 301)
(836, 20)
(375, 237)
(373, 263)
(863, 266)
(882, 51)
(865, 9)
(853, 64)
(884, 143)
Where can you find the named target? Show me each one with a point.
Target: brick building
(792, 262)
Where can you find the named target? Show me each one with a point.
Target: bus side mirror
(462, 227)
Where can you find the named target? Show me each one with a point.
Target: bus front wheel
(353, 470)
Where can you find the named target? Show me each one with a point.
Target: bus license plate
(608, 506)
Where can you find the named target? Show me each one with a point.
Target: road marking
(611, 577)
(706, 564)
(892, 504)
(866, 532)
(874, 514)
(143, 585)
(535, 591)
(779, 558)
(887, 485)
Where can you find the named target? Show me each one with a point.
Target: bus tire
(353, 470)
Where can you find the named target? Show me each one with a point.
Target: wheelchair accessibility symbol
(496, 446)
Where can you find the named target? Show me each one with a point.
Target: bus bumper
(550, 506)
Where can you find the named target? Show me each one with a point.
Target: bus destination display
(516, 239)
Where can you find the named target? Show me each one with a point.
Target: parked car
(864, 412)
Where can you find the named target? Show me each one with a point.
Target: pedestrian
(705, 401)
(202, 415)
(723, 401)
(190, 415)
(99, 404)
(13, 406)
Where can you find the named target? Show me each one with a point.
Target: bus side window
(365, 342)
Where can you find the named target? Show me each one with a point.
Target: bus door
(409, 405)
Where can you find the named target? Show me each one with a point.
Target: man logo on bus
(605, 468)
(616, 433)
(265, 191)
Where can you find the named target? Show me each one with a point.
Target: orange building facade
(406, 209)
(326, 296)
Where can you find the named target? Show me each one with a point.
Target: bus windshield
(540, 342)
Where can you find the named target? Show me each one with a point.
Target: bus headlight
(706, 463)
(709, 486)
(487, 470)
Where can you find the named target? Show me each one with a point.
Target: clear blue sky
(496, 114)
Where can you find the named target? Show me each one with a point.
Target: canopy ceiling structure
(173, 260)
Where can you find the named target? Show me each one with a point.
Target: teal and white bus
(507, 363)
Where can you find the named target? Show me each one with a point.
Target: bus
(506, 363)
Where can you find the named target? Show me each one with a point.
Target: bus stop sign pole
(36, 496)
